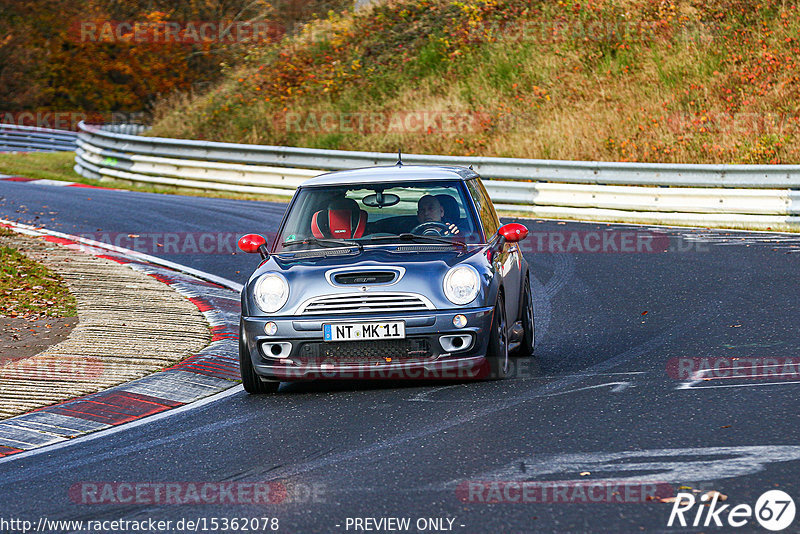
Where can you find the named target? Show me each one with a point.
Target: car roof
(391, 174)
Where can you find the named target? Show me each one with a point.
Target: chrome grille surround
(398, 272)
(364, 302)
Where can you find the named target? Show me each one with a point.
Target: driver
(430, 210)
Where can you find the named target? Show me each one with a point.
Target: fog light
(270, 328)
(459, 321)
(281, 349)
(455, 343)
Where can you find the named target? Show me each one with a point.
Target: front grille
(377, 351)
(365, 277)
(355, 303)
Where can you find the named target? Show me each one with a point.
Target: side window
(486, 211)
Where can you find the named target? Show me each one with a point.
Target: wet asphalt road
(604, 395)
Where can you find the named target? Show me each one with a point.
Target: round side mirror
(252, 243)
(513, 232)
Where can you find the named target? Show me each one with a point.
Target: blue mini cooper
(386, 273)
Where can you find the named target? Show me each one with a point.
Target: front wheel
(250, 380)
(525, 348)
(497, 353)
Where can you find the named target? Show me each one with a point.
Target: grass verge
(40, 165)
(28, 288)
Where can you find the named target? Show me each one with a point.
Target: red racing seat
(343, 220)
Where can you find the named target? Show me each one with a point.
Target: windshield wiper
(421, 238)
(324, 242)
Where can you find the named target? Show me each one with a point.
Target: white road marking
(663, 465)
(701, 376)
(423, 396)
(695, 378)
(747, 385)
(618, 387)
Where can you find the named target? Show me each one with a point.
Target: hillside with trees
(713, 81)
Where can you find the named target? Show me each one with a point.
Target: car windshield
(434, 212)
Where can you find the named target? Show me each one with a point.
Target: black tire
(525, 348)
(497, 352)
(250, 380)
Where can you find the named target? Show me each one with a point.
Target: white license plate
(364, 331)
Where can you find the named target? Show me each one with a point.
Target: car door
(508, 262)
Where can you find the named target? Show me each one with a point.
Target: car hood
(421, 271)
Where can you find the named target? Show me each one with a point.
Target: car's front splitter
(309, 357)
(454, 369)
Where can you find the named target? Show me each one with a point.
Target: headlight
(271, 292)
(461, 284)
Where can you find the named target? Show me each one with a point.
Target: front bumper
(420, 355)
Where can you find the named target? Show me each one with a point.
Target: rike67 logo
(774, 510)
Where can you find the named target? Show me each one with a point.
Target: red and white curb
(210, 371)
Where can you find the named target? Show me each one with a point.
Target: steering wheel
(431, 228)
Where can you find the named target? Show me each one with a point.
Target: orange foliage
(74, 55)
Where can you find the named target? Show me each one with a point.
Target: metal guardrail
(15, 138)
(127, 129)
(721, 195)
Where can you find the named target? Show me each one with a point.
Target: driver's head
(429, 210)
